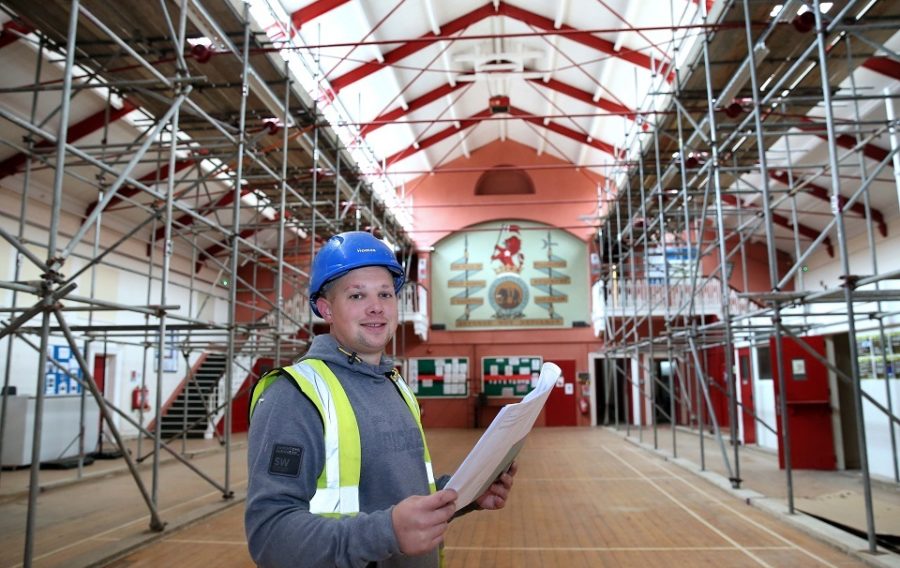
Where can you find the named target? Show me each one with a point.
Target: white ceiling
(473, 63)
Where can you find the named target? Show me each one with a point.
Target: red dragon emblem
(510, 252)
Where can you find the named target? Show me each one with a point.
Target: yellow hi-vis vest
(337, 489)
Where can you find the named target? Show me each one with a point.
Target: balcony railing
(646, 297)
(414, 307)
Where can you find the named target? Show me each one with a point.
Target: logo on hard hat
(366, 250)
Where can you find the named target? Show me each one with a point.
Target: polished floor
(584, 497)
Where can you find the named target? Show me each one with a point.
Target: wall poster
(509, 275)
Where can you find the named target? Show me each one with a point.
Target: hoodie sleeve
(285, 456)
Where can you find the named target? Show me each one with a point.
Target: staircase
(199, 395)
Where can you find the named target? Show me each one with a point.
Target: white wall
(878, 435)
(122, 278)
(825, 272)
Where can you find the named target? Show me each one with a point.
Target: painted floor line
(615, 548)
(723, 504)
(691, 512)
(145, 518)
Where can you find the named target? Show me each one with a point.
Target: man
(340, 474)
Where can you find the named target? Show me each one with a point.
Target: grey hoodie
(280, 529)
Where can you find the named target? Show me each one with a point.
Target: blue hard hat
(348, 251)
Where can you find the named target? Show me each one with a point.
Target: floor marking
(613, 548)
(580, 479)
(725, 505)
(99, 536)
(690, 511)
(242, 543)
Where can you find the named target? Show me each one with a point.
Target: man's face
(361, 308)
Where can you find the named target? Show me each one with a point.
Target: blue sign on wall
(58, 382)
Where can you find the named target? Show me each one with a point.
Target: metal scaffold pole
(733, 177)
(848, 278)
(45, 302)
(176, 151)
(236, 242)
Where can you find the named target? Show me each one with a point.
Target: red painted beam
(314, 10)
(215, 249)
(709, 4)
(477, 15)
(585, 97)
(413, 105)
(871, 151)
(783, 221)
(245, 234)
(11, 32)
(563, 130)
(884, 65)
(75, 132)
(823, 194)
(516, 113)
(583, 38)
(153, 177)
(435, 138)
(409, 48)
(186, 220)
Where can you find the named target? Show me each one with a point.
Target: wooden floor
(583, 498)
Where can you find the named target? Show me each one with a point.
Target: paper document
(501, 442)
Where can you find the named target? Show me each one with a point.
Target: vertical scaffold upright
(194, 125)
(765, 147)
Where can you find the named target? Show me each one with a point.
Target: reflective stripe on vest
(337, 488)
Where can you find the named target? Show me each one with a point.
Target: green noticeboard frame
(509, 377)
(443, 377)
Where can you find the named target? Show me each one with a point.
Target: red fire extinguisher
(140, 398)
(584, 406)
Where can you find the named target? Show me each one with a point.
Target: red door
(808, 405)
(718, 394)
(560, 409)
(746, 380)
(100, 373)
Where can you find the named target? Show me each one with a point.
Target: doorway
(609, 390)
(662, 397)
(845, 402)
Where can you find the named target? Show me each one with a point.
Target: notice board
(439, 377)
(510, 376)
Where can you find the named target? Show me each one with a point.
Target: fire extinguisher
(584, 406)
(140, 398)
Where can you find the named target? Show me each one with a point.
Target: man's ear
(324, 307)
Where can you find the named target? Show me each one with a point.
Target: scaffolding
(214, 205)
(232, 174)
(722, 164)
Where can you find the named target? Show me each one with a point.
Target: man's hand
(420, 522)
(496, 495)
